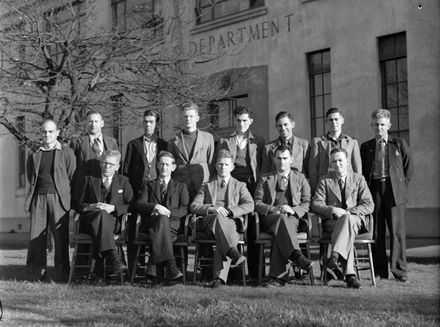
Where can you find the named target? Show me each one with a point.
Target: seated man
(343, 199)
(221, 202)
(161, 204)
(281, 200)
(102, 202)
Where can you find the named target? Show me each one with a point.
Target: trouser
(285, 240)
(47, 214)
(100, 225)
(344, 231)
(386, 213)
(226, 236)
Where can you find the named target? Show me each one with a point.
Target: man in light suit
(388, 167)
(193, 150)
(299, 148)
(221, 205)
(281, 200)
(319, 163)
(49, 170)
(162, 203)
(103, 200)
(344, 201)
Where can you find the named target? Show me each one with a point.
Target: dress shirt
(150, 147)
(100, 142)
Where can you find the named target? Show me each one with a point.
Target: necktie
(342, 189)
(96, 147)
(222, 183)
(163, 190)
(283, 183)
(382, 157)
(106, 183)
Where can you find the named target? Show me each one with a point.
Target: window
(394, 73)
(221, 113)
(21, 153)
(119, 13)
(208, 10)
(320, 89)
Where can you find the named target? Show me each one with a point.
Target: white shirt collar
(219, 179)
(110, 178)
(166, 179)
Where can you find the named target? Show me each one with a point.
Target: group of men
(164, 181)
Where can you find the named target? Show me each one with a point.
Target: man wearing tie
(102, 202)
(162, 203)
(344, 201)
(281, 200)
(221, 205)
(387, 166)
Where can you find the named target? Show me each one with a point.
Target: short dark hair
(152, 112)
(283, 114)
(283, 148)
(333, 110)
(242, 110)
(336, 150)
(223, 153)
(166, 154)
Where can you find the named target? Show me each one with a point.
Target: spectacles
(106, 163)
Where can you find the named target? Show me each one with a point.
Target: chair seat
(81, 238)
(145, 238)
(327, 237)
(266, 237)
(209, 239)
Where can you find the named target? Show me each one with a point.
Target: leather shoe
(353, 282)
(275, 283)
(118, 267)
(217, 283)
(402, 279)
(176, 279)
(303, 262)
(333, 269)
(239, 261)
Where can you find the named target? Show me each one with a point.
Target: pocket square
(120, 191)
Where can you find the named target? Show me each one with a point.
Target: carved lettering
(288, 21)
(264, 29)
(275, 26)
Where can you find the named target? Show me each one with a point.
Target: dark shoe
(238, 261)
(402, 279)
(118, 267)
(304, 263)
(275, 283)
(176, 279)
(353, 282)
(153, 282)
(333, 269)
(217, 283)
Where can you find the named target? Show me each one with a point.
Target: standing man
(388, 168)
(140, 167)
(281, 200)
(319, 163)
(193, 150)
(344, 201)
(299, 147)
(49, 171)
(222, 203)
(162, 203)
(102, 202)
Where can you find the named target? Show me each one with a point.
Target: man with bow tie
(162, 203)
(282, 199)
(221, 205)
(102, 202)
(344, 201)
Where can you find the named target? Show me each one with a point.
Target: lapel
(85, 145)
(180, 145)
(334, 187)
(170, 192)
(272, 184)
(252, 145)
(37, 159)
(96, 184)
(197, 145)
(325, 146)
(212, 188)
(349, 186)
(139, 144)
(296, 149)
(114, 187)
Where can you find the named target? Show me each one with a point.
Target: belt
(381, 179)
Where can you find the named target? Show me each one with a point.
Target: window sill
(229, 19)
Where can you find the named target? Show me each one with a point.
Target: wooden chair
(202, 239)
(143, 239)
(81, 267)
(264, 241)
(363, 255)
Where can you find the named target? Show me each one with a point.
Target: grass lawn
(389, 304)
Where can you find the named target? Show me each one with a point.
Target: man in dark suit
(162, 203)
(343, 199)
(140, 167)
(281, 200)
(220, 206)
(49, 171)
(193, 150)
(102, 202)
(388, 167)
(299, 148)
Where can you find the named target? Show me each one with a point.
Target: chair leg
(370, 257)
(72, 266)
(134, 266)
(243, 267)
(324, 263)
(261, 263)
(356, 260)
(182, 263)
(311, 275)
(196, 259)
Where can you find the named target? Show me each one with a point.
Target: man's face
(283, 160)
(94, 124)
(224, 167)
(334, 122)
(243, 122)
(165, 166)
(149, 125)
(381, 126)
(109, 166)
(285, 127)
(190, 117)
(50, 133)
(339, 163)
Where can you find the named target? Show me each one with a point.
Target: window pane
(319, 126)
(326, 61)
(390, 71)
(386, 48)
(318, 84)
(327, 103)
(327, 83)
(402, 72)
(315, 63)
(403, 94)
(391, 96)
(318, 106)
(400, 45)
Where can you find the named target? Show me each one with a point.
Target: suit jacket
(265, 194)
(358, 198)
(256, 151)
(300, 153)
(197, 168)
(176, 198)
(401, 166)
(238, 199)
(121, 193)
(135, 161)
(319, 161)
(64, 169)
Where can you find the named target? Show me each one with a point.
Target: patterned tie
(283, 183)
(106, 183)
(96, 147)
(222, 183)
